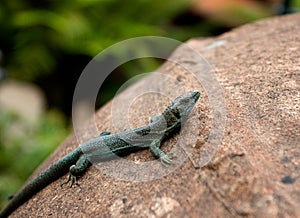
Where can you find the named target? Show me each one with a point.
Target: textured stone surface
(258, 68)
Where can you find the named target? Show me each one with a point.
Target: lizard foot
(166, 160)
(72, 180)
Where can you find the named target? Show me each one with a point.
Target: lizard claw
(166, 160)
(72, 179)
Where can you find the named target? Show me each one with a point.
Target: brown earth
(254, 170)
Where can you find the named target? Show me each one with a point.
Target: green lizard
(107, 145)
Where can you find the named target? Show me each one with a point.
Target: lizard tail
(52, 173)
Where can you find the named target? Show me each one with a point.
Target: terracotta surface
(255, 170)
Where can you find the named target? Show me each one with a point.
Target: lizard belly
(108, 147)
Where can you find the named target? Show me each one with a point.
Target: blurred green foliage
(23, 146)
(38, 31)
(34, 34)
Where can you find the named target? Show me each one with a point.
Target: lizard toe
(72, 179)
(166, 160)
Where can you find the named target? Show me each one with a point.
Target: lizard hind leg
(76, 170)
(158, 153)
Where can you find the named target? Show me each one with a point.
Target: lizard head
(182, 105)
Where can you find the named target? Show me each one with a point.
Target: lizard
(107, 145)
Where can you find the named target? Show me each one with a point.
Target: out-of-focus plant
(24, 146)
(34, 34)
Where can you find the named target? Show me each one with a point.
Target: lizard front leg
(158, 153)
(105, 132)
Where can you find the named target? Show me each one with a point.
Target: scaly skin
(106, 146)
